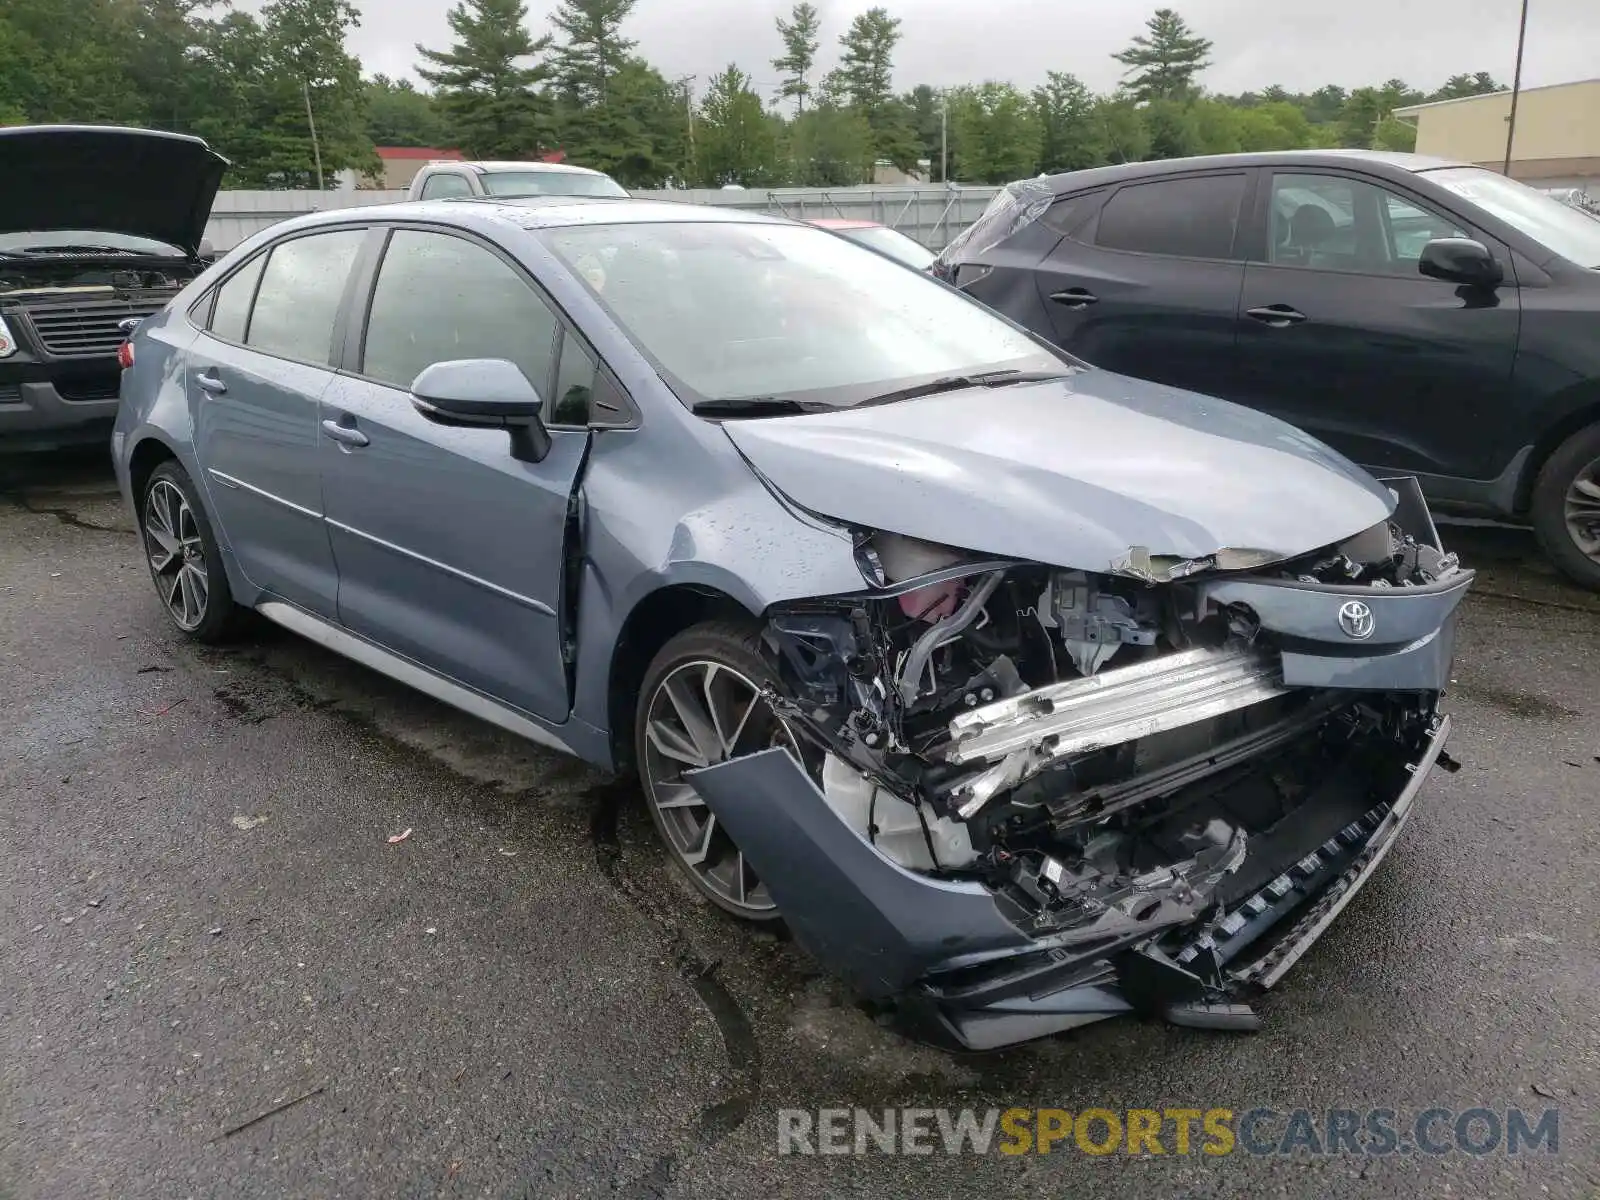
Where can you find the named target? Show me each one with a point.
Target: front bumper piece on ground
(965, 973)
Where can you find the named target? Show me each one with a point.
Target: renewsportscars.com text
(1376, 1132)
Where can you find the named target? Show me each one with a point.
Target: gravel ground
(202, 918)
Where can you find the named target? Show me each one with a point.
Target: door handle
(345, 435)
(1075, 298)
(1278, 316)
(208, 382)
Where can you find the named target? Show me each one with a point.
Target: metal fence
(931, 215)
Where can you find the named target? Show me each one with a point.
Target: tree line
(256, 86)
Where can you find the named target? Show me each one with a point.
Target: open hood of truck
(138, 182)
(1093, 471)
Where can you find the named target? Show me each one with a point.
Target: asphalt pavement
(223, 976)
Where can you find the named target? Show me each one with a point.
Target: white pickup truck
(446, 178)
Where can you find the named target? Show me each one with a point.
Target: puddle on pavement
(1517, 704)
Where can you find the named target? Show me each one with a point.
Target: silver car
(1026, 693)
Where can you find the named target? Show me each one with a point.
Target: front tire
(701, 704)
(1565, 509)
(183, 557)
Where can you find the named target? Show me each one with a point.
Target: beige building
(1557, 140)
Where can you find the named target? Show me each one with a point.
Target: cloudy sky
(1257, 42)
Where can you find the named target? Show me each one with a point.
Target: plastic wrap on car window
(1015, 206)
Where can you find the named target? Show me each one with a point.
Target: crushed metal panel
(878, 925)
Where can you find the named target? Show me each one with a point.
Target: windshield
(728, 310)
(550, 183)
(893, 243)
(1554, 225)
(78, 239)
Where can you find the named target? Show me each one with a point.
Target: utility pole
(944, 136)
(316, 149)
(687, 83)
(1516, 88)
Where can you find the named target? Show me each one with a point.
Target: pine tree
(736, 141)
(799, 34)
(864, 81)
(594, 50)
(866, 66)
(1070, 139)
(495, 107)
(1163, 66)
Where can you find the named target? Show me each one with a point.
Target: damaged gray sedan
(1026, 693)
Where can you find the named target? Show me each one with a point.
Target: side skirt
(385, 662)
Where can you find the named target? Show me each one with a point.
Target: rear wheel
(1566, 507)
(702, 704)
(183, 556)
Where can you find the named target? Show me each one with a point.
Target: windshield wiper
(956, 383)
(751, 406)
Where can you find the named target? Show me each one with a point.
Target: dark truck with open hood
(99, 228)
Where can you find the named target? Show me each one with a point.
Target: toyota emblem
(1355, 618)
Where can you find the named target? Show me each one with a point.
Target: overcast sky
(1257, 42)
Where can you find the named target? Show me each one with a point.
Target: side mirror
(1460, 260)
(484, 393)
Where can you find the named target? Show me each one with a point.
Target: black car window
(1194, 217)
(439, 297)
(445, 183)
(569, 405)
(297, 304)
(1341, 223)
(231, 310)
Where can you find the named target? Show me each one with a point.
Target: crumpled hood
(138, 182)
(1077, 472)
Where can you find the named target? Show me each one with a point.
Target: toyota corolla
(1026, 693)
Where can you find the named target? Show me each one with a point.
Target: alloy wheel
(177, 556)
(701, 714)
(1582, 510)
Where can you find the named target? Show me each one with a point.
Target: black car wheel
(1566, 507)
(182, 552)
(702, 704)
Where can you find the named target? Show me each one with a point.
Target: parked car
(448, 179)
(882, 239)
(1421, 316)
(98, 228)
(1027, 693)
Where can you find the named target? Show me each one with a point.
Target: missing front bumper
(956, 956)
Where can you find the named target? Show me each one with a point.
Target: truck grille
(87, 328)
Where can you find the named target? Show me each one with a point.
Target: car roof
(842, 223)
(1074, 181)
(538, 212)
(490, 168)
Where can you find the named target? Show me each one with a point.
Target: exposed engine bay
(57, 275)
(1107, 755)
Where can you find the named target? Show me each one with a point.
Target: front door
(256, 378)
(450, 551)
(1341, 335)
(1150, 288)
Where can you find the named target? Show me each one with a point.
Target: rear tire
(181, 552)
(1565, 508)
(701, 700)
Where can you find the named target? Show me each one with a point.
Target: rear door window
(1193, 217)
(440, 297)
(297, 305)
(445, 184)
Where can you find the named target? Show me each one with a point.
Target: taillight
(125, 355)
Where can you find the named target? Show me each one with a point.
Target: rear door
(450, 551)
(1150, 286)
(255, 379)
(1341, 335)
